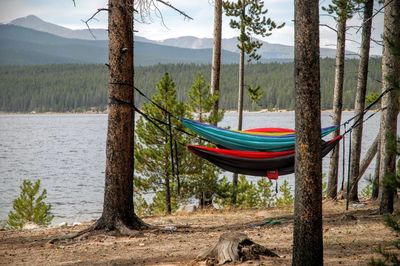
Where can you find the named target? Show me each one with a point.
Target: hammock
(247, 141)
(270, 164)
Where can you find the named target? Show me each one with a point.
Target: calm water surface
(67, 152)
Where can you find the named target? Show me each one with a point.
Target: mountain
(24, 46)
(33, 22)
(268, 51)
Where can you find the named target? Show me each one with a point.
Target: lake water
(67, 152)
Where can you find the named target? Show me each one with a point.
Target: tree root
(234, 247)
(118, 229)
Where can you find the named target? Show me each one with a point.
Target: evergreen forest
(79, 87)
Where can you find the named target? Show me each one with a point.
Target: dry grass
(346, 241)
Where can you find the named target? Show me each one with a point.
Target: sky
(172, 24)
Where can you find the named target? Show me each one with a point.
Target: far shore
(105, 112)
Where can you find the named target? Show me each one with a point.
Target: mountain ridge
(269, 51)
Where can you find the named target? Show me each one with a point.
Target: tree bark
(216, 57)
(367, 159)
(375, 182)
(337, 105)
(390, 80)
(307, 231)
(118, 211)
(240, 107)
(359, 103)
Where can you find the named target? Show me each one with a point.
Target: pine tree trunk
(337, 107)
(375, 182)
(118, 195)
(216, 57)
(240, 112)
(307, 231)
(390, 80)
(359, 103)
(241, 88)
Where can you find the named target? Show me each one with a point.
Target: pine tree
(153, 146)
(250, 21)
(203, 175)
(30, 206)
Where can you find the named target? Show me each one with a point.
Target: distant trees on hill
(61, 88)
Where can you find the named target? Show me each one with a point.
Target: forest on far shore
(79, 88)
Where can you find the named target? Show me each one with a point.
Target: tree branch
(329, 27)
(376, 13)
(93, 17)
(174, 8)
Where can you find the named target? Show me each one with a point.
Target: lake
(67, 152)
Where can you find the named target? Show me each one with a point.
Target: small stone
(30, 226)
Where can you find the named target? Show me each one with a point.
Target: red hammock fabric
(271, 130)
(244, 154)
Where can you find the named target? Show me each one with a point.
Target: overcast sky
(63, 12)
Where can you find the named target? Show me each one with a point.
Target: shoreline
(105, 112)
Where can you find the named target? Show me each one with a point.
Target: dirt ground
(347, 241)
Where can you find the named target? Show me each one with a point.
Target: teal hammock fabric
(236, 140)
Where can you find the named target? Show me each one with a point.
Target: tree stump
(234, 247)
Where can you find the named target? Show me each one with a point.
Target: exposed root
(119, 229)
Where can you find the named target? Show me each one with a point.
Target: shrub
(29, 207)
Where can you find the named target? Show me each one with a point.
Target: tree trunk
(359, 103)
(234, 247)
(118, 212)
(307, 231)
(375, 182)
(168, 208)
(337, 106)
(390, 80)
(367, 159)
(241, 88)
(216, 57)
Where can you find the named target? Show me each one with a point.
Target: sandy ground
(346, 241)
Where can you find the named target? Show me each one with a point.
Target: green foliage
(367, 191)
(265, 193)
(159, 207)
(247, 195)
(286, 198)
(250, 20)
(372, 97)
(324, 189)
(255, 96)
(343, 9)
(30, 206)
(203, 176)
(141, 206)
(153, 146)
(61, 88)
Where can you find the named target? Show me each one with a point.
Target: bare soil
(350, 238)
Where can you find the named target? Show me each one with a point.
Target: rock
(63, 224)
(358, 205)
(30, 226)
(76, 223)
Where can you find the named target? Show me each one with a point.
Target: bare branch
(376, 13)
(329, 27)
(380, 43)
(74, 3)
(93, 17)
(174, 8)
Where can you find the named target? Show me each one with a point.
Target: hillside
(79, 87)
(24, 46)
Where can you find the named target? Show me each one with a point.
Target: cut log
(235, 247)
